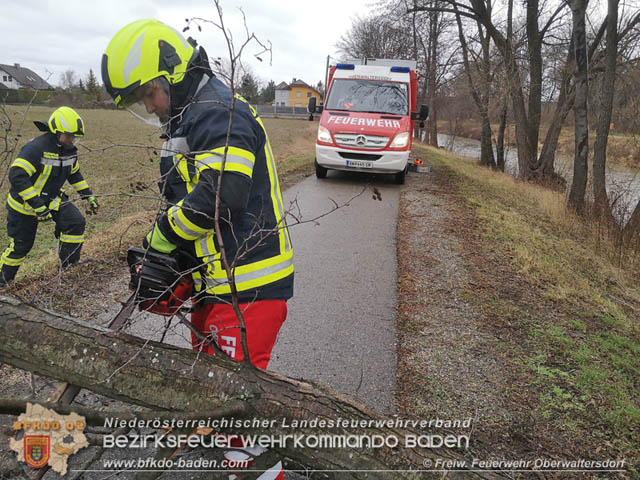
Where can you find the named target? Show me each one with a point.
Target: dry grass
(547, 239)
(119, 159)
(578, 309)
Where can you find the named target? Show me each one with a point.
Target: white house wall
(4, 76)
(282, 97)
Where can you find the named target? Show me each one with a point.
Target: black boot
(7, 274)
(69, 254)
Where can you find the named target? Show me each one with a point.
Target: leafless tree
(398, 32)
(580, 109)
(376, 36)
(68, 80)
(479, 76)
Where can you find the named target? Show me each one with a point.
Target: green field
(119, 157)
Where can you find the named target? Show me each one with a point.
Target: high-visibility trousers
(218, 322)
(22, 230)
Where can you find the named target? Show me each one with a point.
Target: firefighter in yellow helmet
(36, 195)
(150, 63)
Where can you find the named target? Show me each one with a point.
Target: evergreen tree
(249, 88)
(268, 93)
(93, 87)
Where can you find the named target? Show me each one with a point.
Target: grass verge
(565, 314)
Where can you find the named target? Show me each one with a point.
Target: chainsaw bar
(124, 314)
(185, 321)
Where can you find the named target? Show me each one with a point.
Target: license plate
(359, 164)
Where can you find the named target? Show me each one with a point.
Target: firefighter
(36, 195)
(149, 62)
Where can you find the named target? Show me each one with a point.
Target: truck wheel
(321, 172)
(399, 177)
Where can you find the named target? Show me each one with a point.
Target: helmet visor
(127, 96)
(128, 101)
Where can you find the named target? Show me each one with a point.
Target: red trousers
(218, 321)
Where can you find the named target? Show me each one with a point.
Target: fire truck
(368, 117)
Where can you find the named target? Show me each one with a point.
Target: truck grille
(357, 140)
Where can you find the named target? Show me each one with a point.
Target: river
(623, 184)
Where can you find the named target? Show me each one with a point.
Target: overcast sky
(53, 37)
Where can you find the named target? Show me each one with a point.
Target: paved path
(340, 329)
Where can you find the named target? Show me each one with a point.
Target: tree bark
(580, 109)
(527, 123)
(564, 104)
(164, 377)
(601, 200)
(534, 51)
(481, 93)
(432, 71)
(500, 157)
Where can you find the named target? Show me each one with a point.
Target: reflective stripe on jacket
(252, 216)
(39, 172)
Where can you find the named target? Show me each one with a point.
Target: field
(119, 158)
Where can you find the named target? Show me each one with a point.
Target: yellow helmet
(66, 120)
(140, 52)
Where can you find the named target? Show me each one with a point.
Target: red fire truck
(368, 117)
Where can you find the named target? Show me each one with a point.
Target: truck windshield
(368, 96)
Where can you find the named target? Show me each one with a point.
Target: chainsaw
(158, 281)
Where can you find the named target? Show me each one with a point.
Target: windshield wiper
(378, 111)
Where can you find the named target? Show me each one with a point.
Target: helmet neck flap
(182, 94)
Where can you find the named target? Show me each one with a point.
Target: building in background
(295, 94)
(17, 77)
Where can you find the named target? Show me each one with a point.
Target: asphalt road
(340, 329)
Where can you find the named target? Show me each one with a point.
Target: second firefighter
(37, 175)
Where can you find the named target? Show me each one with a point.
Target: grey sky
(52, 37)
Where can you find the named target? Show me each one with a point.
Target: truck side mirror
(311, 107)
(422, 114)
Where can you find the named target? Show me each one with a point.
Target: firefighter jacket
(39, 172)
(252, 218)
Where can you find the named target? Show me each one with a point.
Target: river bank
(622, 149)
(623, 183)
(512, 314)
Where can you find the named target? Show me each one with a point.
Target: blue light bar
(400, 69)
(346, 66)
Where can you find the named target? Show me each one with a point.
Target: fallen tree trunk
(164, 377)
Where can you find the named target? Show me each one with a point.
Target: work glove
(43, 213)
(156, 240)
(93, 205)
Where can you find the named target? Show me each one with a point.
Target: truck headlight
(401, 140)
(324, 135)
